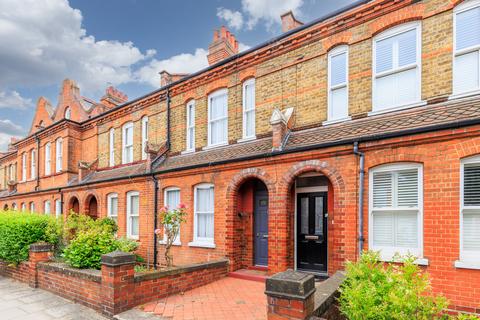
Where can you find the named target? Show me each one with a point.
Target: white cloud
(8, 129)
(234, 19)
(43, 42)
(4, 141)
(13, 100)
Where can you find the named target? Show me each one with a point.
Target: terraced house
(360, 130)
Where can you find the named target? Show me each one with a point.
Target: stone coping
(144, 276)
(87, 274)
(290, 284)
(327, 292)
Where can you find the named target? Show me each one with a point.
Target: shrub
(86, 249)
(19, 230)
(374, 290)
(127, 245)
(78, 223)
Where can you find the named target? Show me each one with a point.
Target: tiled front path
(228, 298)
(20, 302)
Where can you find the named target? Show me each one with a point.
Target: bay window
(396, 67)
(218, 118)
(338, 84)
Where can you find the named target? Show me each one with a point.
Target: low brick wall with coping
(115, 288)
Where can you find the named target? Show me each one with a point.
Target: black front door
(261, 228)
(312, 231)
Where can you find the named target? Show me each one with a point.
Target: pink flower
(182, 206)
(158, 231)
(164, 209)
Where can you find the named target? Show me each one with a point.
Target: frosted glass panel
(304, 215)
(319, 215)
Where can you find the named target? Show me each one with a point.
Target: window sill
(467, 265)
(419, 261)
(187, 151)
(164, 242)
(137, 238)
(333, 121)
(246, 139)
(398, 108)
(463, 94)
(215, 146)
(202, 244)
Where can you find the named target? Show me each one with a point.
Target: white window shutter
(383, 229)
(406, 230)
(471, 230)
(384, 55)
(338, 69)
(407, 48)
(382, 189)
(471, 185)
(468, 28)
(465, 73)
(407, 188)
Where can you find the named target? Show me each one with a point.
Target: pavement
(20, 302)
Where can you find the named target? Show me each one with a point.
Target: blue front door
(261, 228)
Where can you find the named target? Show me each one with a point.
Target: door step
(247, 274)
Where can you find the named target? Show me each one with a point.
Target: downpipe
(361, 177)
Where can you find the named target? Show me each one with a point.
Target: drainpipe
(37, 174)
(168, 118)
(361, 177)
(61, 201)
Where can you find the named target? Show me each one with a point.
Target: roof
(102, 175)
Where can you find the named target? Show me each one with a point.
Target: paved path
(225, 299)
(20, 302)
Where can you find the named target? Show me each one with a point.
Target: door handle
(265, 236)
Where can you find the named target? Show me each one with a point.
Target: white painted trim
(334, 121)
(466, 265)
(464, 95)
(415, 25)
(335, 52)
(387, 253)
(144, 136)
(398, 108)
(244, 111)
(201, 244)
(128, 125)
(111, 147)
(190, 103)
(210, 96)
(243, 140)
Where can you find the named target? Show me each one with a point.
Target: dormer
(70, 103)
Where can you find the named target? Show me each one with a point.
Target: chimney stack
(289, 22)
(113, 97)
(281, 122)
(166, 78)
(224, 45)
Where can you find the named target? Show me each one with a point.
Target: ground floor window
(172, 201)
(395, 202)
(58, 208)
(47, 209)
(32, 206)
(133, 226)
(204, 215)
(112, 206)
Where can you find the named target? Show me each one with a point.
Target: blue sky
(120, 42)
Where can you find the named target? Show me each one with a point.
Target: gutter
(375, 137)
(361, 177)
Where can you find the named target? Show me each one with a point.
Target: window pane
(338, 69)
(218, 107)
(304, 216)
(135, 226)
(384, 55)
(406, 87)
(407, 48)
(249, 96)
(205, 200)
(408, 188)
(385, 91)
(468, 28)
(319, 215)
(134, 208)
(383, 229)
(465, 77)
(382, 189)
(406, 230)
(202, 225)
(338, 103)
(173, 199)
(471, 231)
(250, 123)
(471, 185)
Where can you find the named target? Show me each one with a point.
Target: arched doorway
(5, 207)
(252, 208)
(91, 207)
(74, 205)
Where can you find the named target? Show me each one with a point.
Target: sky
(124, 43)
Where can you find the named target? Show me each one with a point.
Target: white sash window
(47, 208)
(48, 161)
(190, 125)
(172, 201)
(395, 204)
(111, 147)
(338, 84)
(249, 109)
(144, 136)
(58, 155)
(24, 167)
(218, 118)
(58, 208)
(33, 165)
(204, 216)
(127, 143)
(112, 206)
(133, 214)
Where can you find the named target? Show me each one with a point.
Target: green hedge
(19, 230)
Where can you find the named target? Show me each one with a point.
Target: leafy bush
(19, 230)
(78, 223)
(127, 245)
(86, 249)
(374, 290)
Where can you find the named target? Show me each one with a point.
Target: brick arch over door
(280, 217)
(231, 207)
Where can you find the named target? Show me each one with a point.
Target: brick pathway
(20, 302)
(228, 298)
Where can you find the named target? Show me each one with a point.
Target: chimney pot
(224, 45)
(289, 22)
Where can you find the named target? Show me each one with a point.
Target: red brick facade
(290, 72)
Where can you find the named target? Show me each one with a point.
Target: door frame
(307, 190)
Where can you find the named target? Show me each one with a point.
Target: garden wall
(116, 287)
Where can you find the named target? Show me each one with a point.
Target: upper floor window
(218, 118)
(58, 208)
(172, 201)
(68, 113)
(191, 125)
(112, 206)
(111, 147)
(47, 209)
(58, 155)
(338, 83)
(466, 65)
(396, 67)
(249, 109)
(204, 215)
(470, 211)
(11, 173)
(133, 214)
(396, 210)
(48, 160)
(24, 166)
(127, 143)
(33, 164)
(144, 136)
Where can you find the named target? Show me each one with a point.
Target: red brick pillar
(39, 252)
(118, 287)
(290, 295)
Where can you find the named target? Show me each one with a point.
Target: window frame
(388, 253)
(59, 155)
(111, 147)
(48, 159)
(190, 113)
(177, 241)
(389, 33)
(33, 164)
(246, 83)
(215, 94)
(462, 7)
(110, 196)
(145, 130)
(339, 50)
(125, 128)
(466, 258)
(24, 207)
(202, 241)
(24, 166)
(58, 208)
(31, 206)
(131, 194)
(47, 204)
